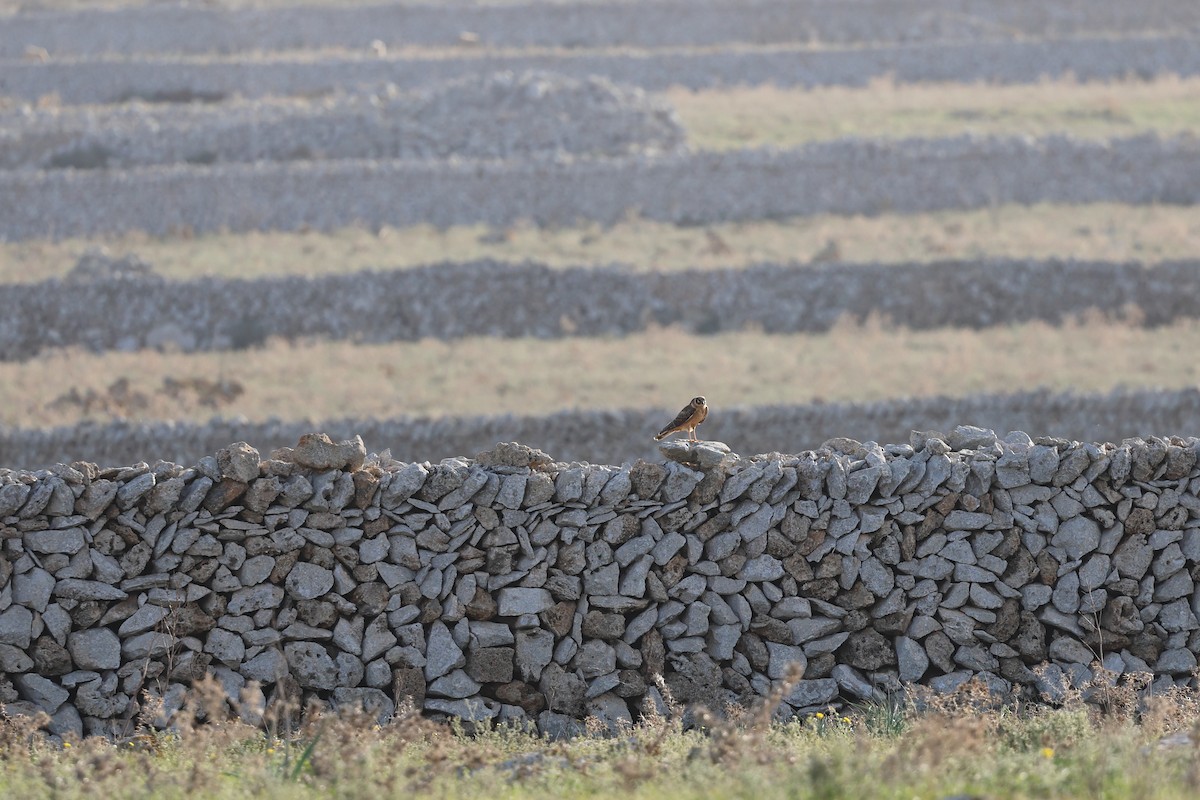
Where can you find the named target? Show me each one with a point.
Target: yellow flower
(1047, 752)
(270, 751)
(847, 721)
(66, 745)
(819, 715)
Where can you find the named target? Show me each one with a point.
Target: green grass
(1100, 231)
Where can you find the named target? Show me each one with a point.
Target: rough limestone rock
(701, 455)
(318, 452)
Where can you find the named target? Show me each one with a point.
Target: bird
(692, 415)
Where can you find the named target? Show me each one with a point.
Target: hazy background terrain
(93, 98)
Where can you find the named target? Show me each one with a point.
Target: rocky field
(370, 207)
(307, 122)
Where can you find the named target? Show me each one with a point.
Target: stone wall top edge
(1169, 458)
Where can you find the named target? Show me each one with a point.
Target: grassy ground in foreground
(870, 752)
(1099, 231)
(321, 380)
(785, 117)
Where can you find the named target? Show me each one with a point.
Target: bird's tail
(658, 437)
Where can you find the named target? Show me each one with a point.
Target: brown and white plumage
(692, 415)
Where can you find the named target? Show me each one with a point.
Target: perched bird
(692, 415)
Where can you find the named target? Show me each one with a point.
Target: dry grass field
(767, 115)
(1103, 232)
(323, 380)
(319, 380)
(755, 117)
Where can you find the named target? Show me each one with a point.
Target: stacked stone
(540, 301)
(532, 115)
(512, 588)
(845, 176)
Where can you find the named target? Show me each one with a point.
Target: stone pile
(531, 115)
(512, 588)
(846, 176)
(534, 300)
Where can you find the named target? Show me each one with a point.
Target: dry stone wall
(843, 177)
(512, 588)
(531, 115)
(199, 29)
(179, 79)
(617, 435)
(121, 308)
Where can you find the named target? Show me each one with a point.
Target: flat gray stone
(515, 601)
(1178, 616)
(633, 579)
(1071, 650)
(308, 581)
(455, 684)
(1094, 572)
(150, 644)
(782, 657)
(95, 648)
(1179, 661)
(144, 619)
(442, 654)
(969, 437)
(814, 693)
(68, 541)
(1077, 536)
(45, 694)
(534, 651)
(911, 659)
(805, 630)
(33, 589)
(13, 497)
(852, 683)
(267, 667)
(757, 524)
(255, 598)
(1132, 557)
(76, 589)
(595, 658)
(225, 646)
(490, 634)
(16, 627)
(403, 484)
(311, 665)
(960, 520)
(13, 660)
(762, 568)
